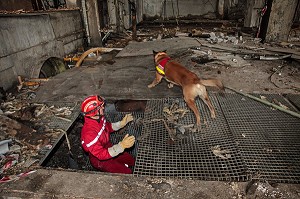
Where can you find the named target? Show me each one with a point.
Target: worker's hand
(128, 141)
(127, 118)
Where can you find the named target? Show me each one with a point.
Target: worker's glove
(125, 120)
(128, 141)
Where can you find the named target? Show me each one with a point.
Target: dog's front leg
(156, 81)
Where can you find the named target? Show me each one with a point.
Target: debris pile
(221, 37)
(26, 134)
(223, 154)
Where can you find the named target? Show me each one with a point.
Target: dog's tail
(213, 83)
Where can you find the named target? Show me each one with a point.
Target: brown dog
(191, 85)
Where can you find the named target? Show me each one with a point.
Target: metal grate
(263, 143)
(295, 100)
(191, 155)
(278, 100)
(131, 129)
(63, 123)
(268, 139)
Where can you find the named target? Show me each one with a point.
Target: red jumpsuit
(95, 141)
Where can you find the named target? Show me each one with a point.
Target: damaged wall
(210, 9)
(120, 13)
(253, 13)
(10, 5)
(28, 40)
(93, 22)
(73, 3)
(170, 9)
(281, 20)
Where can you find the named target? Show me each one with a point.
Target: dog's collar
(160, 68)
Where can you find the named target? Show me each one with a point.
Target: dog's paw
(196, 128)
(170, 85)
(213, 115)
(151, 86)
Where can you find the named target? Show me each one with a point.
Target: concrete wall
(28, 40)
(120, 15)
(252, 15)
(153, 8)
(73, 3)
(167, 9)
(281, 20)
(93, 23)
(10, 5)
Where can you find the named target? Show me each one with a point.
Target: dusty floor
(218, 59)
(62, 184)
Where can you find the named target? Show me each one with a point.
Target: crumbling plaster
(281, 19)
(171, 9)
(28, 40)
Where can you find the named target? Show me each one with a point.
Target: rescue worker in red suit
(95, 138)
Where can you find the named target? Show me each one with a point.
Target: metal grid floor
(268, 139)
(59, 122)
(295, 100)
(131, 129)
(262, 143)
(191, 155)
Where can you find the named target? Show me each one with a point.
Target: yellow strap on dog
(160, 71)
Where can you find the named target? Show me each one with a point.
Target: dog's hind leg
(190, 94)
(204, 96)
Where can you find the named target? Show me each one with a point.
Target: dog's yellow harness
(160, 68)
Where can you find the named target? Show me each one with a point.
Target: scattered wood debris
(26, 126)
(217, 151)
(29, 83)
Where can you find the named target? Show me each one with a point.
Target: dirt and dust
(277, 77)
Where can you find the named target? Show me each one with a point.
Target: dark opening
(130, 105)
(52, 67)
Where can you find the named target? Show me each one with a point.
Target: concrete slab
(127, 78)
(67, 184)
(146, 48)
(72, 85)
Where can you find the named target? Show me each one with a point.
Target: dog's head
(158, 56)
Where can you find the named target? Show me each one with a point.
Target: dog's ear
(154, 52)
(165, 51)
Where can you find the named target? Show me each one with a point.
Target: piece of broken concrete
(4, 146)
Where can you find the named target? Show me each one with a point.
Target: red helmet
(91, 105)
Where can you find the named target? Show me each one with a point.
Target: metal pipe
(274, 58)
(267, 103)
(106, 35)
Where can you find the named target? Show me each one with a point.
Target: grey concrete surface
(127, 78)
(133, 69)
(172, 45)
(67, 184)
